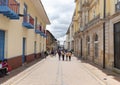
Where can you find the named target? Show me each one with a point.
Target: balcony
(92, 22)
(38, 29)
(9, 8)
(43, 33)
(75, 18)
(28, 22)
(86, 3)
(117, 7)
(80, 10)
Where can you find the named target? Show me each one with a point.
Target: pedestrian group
(63, 54)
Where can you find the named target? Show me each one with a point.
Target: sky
(60, 14)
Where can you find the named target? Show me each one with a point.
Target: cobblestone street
(51, 71)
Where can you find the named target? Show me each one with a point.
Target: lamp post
(104, 16)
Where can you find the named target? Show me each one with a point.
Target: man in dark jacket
(59, 54)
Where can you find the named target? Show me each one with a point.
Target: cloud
(55, 17)
(60, 13)
(62, 39)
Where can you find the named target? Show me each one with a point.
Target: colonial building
(69, 38)
(96, 25)
(51, 42)
(65, 44)
(22, 30)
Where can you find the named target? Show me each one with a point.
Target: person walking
(69, 55)
(1, 70)
(63, 54)
(59, 54)
(52, 53)
(46, 54)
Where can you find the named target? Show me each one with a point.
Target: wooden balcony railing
(12, 4)
(28, 21)
(38, 29)
(10, 8)
(31, 20)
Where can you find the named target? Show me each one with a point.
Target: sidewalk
(19, 70)
(104, 75)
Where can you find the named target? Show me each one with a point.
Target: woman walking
(63, 54)
(59, 54)
(69, 55)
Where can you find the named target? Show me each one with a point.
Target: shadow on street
(116, 76)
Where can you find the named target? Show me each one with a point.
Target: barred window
(96, 46)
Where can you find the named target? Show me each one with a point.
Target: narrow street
(51, 71)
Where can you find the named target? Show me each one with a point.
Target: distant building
(69, 38)
(51, 41)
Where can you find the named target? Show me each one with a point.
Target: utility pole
(104, 16)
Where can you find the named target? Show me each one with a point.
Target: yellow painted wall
(94, 5)
(98, 8)
(14, 32)
(76, 15)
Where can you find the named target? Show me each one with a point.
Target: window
(88, 46)
(25, 13)
(85, 18)
(25, 9)
(118, 0)
(96, 46)
(35, 22)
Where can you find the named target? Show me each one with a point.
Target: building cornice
(40, 8)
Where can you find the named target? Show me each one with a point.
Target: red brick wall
(15, 62)
(38, 55)
(30, 58)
